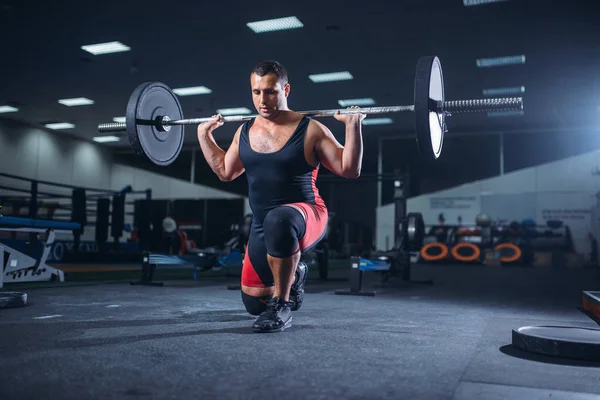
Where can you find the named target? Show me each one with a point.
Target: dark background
(188, 43)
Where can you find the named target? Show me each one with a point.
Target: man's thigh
(316, 218)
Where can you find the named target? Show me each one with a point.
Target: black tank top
(279, 177)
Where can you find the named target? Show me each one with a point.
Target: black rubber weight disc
(147, 102)
(559, 341)
(415, 231)
(429, 125)
(12, 299)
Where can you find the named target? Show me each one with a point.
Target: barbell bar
(154, 118)
(449, 107)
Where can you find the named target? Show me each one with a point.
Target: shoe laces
(273, 306)
(276, 304)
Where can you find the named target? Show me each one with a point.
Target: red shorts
(255, 270)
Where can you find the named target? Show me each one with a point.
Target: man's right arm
(225, 164)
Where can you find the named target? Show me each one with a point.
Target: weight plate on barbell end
(429, 123)
(149, 101)
(12, 299)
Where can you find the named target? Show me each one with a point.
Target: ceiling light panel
(234, 111)
(8, 109)
(510, 113)
(356, 102)
(377, 121)
(277, 24)
(507, 91)
(469, 3)
(60, 125)
(106, 48)
(500, 61)
(331, 77)
(192, 91)
(77, 101)
(106, 139)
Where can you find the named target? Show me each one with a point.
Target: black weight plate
(12, 299)
(572, 342)
(429, 124)
(415, 231)
(148, 102)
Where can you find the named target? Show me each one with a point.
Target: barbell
(155, 126)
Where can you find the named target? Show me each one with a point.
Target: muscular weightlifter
(280, 151)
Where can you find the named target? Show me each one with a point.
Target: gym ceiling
(198, 43)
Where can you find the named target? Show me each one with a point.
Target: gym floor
(192, 340)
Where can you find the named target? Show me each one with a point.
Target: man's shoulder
(316, 127)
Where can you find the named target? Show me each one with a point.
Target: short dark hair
(271, 67)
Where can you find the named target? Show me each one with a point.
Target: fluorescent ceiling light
(500, 61)
(77, 101)
(7, 109)
(190, 91)
(504, 91)
(119, 119)
(233, 111)
(60, 125)
(356, 102)
(468, 3)
(106, 139)
(278, 24)
(512, 113)
(331, 77)
(377, 121)
(105, 48)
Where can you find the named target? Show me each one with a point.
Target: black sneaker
(276, 318)
(297, 290)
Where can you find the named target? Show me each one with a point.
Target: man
(280, 151)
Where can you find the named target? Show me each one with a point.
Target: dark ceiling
(191, 43)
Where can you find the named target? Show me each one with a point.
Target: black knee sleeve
(283, 228)
(255, 304)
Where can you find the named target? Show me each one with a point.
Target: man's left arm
(346, 160)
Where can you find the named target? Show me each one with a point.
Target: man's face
(268, 94)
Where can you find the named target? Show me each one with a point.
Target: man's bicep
(328, 149)
(233, 163)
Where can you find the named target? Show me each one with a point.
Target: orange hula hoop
(427, 257)
(515, 248)
(472, 257)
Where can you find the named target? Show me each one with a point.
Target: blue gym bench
(202, 260)
(389, 263)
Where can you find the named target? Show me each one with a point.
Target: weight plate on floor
(148, 103)
(12, 299)
(577, 343)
